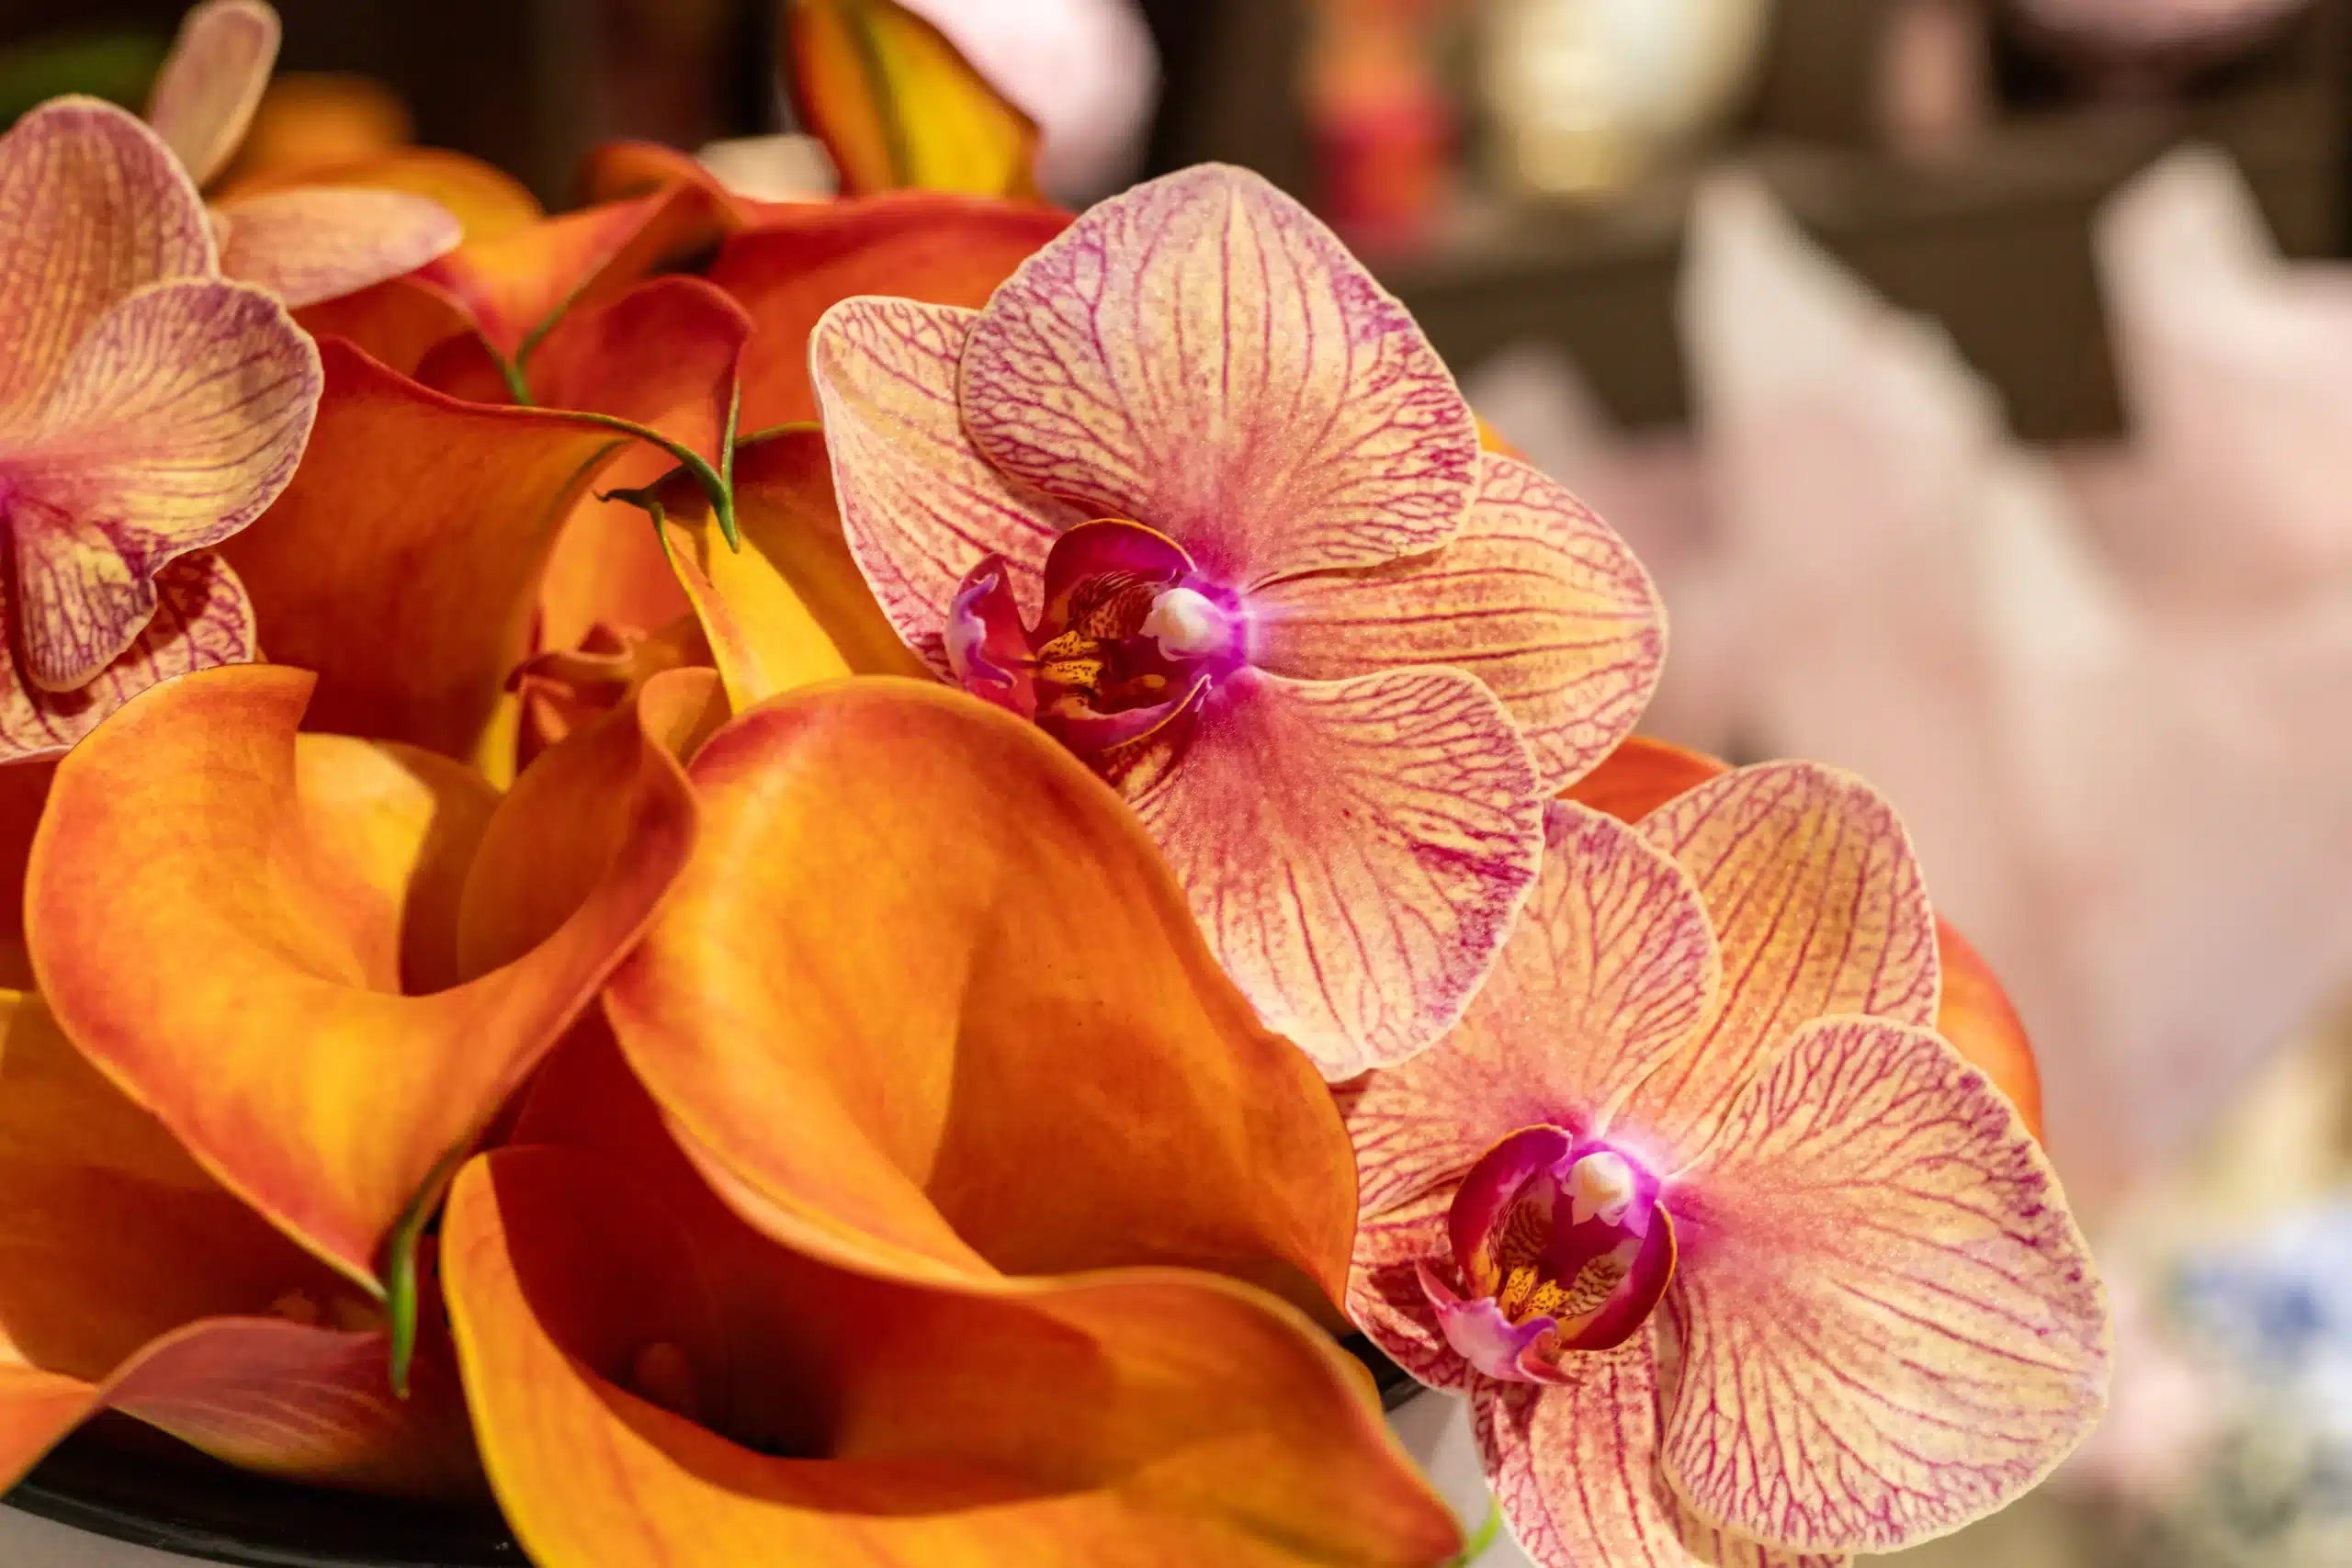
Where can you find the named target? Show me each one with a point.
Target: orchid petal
(118, 1258)
(202, 619)
(1890, 1323)
(1573, 1470)
(402, 562)
(96, 207)
(919, 504)
(264, 898)
(665, 355)
(801, 261)
(935, 1427)
(1975, 1013)
(1536, 596)
(788, 608)
(1611, 965)
(519, 284)
(205, 95)
(1356, 851)
(319, 243)
(893, 878)
(1203, 355)
(489, 203)
(1817, 907)
(1386, 1298)
(897, 104)
(178, 419)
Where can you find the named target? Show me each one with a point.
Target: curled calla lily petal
(801, 261)
(1363, 949)
(563, 690)
(263, 1022)
(919, 507)
(202, 619)
(666, 355)
(519, 283)
(1202, 355)
(1219, 1426)
(1536, 596)
(1818, 905)
(1890, 1323)
(319, 243)
(788, 608)
(889, 1118)
(209, 84)
(899, 106)
(129, 1280)
(1974, 1013)
(1575, 1479)
(132, 220)
(403, 563)
(176, 422)
(397, 323)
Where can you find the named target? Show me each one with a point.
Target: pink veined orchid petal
(1385, 1296)
(1355, 851)
(1611, 967)
(1890, 1323)
(1574, 1469)
(1203, 355)
(1536, 596)
(177, 421)
(318, 242)
(919, 507)
(202, 619)
(93, 208)
(1815, 898)
(205, 95)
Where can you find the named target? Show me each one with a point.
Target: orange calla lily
(1976, 1014)
(899, 106)
(299, 1015)
(801, 261)
(130, 1280)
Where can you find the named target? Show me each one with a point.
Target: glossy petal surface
(1610, 967)
(1202, 355)
(1216, 1429)
(402, 562)
(176, 421)
(1817, 907)
(1536, 596)
(801, 261)
(910, 912)
(519, 283)
(899, 106)
(93, 208)
(1355, 850)
(919, 507)
(397, 323)
(1890, 1323)
(205, 95)
(262, 1020)
(316, 242)
(202, 619)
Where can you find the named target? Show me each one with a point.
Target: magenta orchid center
(1559, 1244)
(1131, 635)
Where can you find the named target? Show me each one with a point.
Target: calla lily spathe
(1702, 1090)
(148, 411)
(1195, 494)
(304, 243)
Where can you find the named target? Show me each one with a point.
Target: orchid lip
(1562, 1244)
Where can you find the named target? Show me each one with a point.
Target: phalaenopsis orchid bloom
(1738, 1258)
(1195, 494)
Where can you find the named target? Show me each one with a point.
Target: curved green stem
(718, 486)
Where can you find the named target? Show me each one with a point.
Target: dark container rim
(210, 1512)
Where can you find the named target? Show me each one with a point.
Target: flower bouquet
(891, 856)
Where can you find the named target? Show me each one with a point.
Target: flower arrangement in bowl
(894, 856)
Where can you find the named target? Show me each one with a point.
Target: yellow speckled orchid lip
(299, 1017)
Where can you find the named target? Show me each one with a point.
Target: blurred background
(1976, 378)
